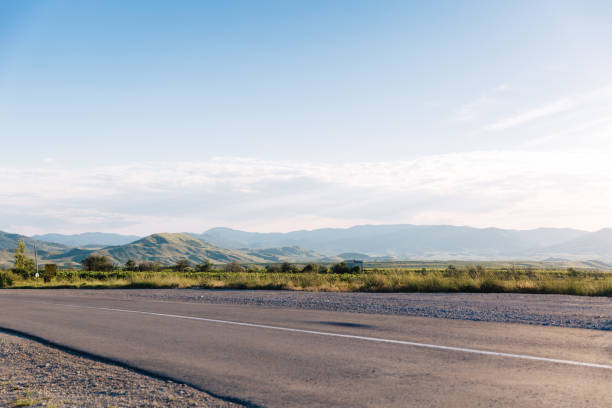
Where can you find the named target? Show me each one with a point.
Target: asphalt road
(279, 357)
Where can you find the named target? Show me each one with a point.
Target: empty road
(283, 356)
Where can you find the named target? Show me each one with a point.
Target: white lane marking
(346, 336)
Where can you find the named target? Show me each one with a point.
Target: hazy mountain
(97, 239)
(347, 256)
(289, 254)
(543, 237)
(403, 241)
(354, 255)
(596, 244)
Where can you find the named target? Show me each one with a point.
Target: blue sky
(147, 115)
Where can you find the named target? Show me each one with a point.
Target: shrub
(310, 268)
(314, 268)
(97, 263)
(149, 266)
(203, 267)
(130, 265)
(233, 267)
(26, 270)
(6, 279)
(475, 271)
(273, 268)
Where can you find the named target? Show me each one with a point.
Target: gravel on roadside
(36, 375)
(543, 310)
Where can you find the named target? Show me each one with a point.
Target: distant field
(449, 279)
(494, 264)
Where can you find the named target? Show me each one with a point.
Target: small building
(354, 263)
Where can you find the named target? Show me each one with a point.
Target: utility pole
(36, 259)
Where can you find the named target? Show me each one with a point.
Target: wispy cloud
(559, 106)
(562, 105)
(517, 189)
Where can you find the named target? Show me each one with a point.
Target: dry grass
(398, 280)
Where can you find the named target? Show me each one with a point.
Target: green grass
(25, 402)
(467, 279)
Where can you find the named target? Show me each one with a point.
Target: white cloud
(499, 188)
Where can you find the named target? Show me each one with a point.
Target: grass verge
(584, 283)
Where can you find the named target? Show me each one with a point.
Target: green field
(449, 279)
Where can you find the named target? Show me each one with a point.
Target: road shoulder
(34, 374)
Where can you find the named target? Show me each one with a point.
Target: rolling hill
(8, 243)
(167, 249)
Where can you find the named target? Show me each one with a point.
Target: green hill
(167, 249)
(8, 243)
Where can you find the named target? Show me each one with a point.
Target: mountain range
(367, 242)
(426, 241)
(164, 248)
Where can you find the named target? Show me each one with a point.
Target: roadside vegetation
(314, 277)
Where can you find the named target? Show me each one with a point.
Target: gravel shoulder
(33, 374)
(542, 310)
(580, 312)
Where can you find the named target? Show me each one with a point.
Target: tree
(96, 262)
(340, 268)
(233, 267)
(20, 256)
(23, 265)
(314, 268)
(130, 265)
(286, 267)
(203, 267)
(182, 265)
(273, 268)
(310, 268)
